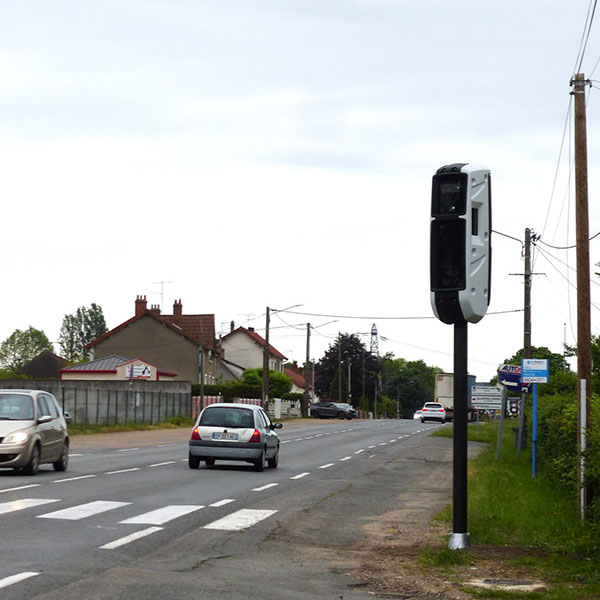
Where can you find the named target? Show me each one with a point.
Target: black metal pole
(460, 538)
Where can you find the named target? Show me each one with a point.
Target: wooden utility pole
(306, 370)
(584, 335)
(265, 377)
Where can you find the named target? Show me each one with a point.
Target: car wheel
(193, 461)
(33, 466)
(259, 463)
(341, 415)
(63, 462)
(273, 462)
(316, 415)
(210, 461)
(422, 420)
(443, 421)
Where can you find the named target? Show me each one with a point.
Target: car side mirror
(277, 426)
(44, 419)
(67, 416)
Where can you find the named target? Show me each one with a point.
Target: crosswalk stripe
(6, 581)
(164, 514)
(242, 519)
(222, 502)
(130, 538)
(8, 507)
(83, 510)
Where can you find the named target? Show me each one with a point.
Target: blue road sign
(510, 376)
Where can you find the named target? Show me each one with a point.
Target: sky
(238, 155)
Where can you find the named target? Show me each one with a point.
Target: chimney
(155, 309)
(232, 326)
(251, 329)
(140, 306)
(177, 308)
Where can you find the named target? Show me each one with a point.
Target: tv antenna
(162, 290)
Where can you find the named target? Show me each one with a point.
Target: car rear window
(227, 417)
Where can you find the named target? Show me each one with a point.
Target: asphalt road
(137, 523)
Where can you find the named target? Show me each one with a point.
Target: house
(115, 368)
(298, 381)
(179, 343)
(245, 347)
(45, 365)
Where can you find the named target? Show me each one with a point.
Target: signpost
(486, 397)
(534, 370)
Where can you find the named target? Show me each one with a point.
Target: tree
(330, 374)
(21, 346)
(80, 329)
(279, 383)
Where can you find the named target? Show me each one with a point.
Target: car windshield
(16, 407)
(227, 417)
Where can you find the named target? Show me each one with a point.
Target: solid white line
(8, 507)
(300, 476)
(242, 519)
(326, 466)
(73, 478)
(222, 502)
(169, 462)
(264, 487)
(83, 510)
(122, 471)
(345, 458)
(127, 449)
(130, 538)
(160, 516)
(6, 581)
(21, 487)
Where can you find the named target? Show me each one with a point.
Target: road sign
(534, 370)
(486, 397)
(510, 376)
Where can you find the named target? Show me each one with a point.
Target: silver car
(241, 432)
(33, 431)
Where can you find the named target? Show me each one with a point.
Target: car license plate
(224, 436)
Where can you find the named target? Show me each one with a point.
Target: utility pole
(584, 348)
(340, 373)
(265, 378)
(306, 368)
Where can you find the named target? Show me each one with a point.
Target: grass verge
(534, 522)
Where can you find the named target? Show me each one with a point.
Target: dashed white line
(264, 487)
(6, 581)
(127, 449)
(300, 476)
(371, 447)
(383, 444)
(222, 502)
(169, 462)
(21, 487)
(359, 451)
(345, 458)
(122, 471)
(73, 478)
(326, 466)
(130, 538)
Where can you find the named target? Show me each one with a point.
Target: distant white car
(433, 411)
(417, 414)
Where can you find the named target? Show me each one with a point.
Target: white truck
(444, 392)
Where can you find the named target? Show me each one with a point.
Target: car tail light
(440, 410)
(195, 434)
(255, 439)
(425, 410)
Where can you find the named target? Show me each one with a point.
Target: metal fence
(108, 407)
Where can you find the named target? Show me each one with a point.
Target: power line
(564, 247)
(587, 28)
(498, 312)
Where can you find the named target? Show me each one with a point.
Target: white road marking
(122, 471)
(169, 462)
(164, 445)
(21, 487)
(127, 449)
(286, 441)
(83, 510)
(242, 519)
(264, 487)
(392, 441)
(73, 478)
(371, 447)
(345, 458)
(383, 444)
(326, 466)
(298, 439)
(72, 455)
(8, 507)
(6, 581)
(300, 476)
(163, 515)
(130, 538)
(222, 502)
(359, 451)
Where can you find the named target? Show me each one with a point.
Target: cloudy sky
(280, 152)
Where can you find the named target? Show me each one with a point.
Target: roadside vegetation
(535, 521)
(171, 423)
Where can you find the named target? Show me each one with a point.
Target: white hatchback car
(228, 431)
(433, 411)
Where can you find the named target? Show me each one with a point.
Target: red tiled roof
(296, 377)
(199, 329)
(259, 340)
